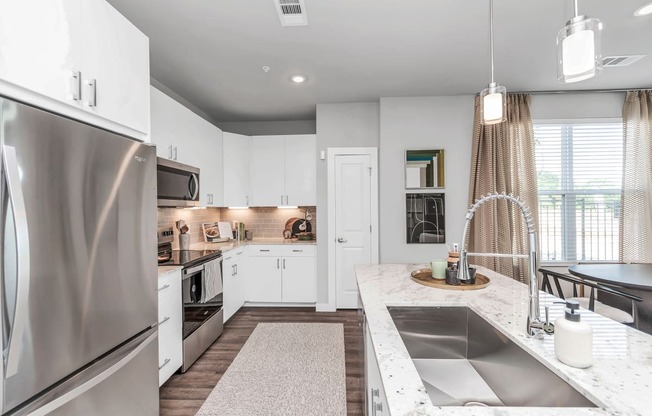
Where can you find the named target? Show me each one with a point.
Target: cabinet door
(299, 279)
(264, 279)
(375, 392)
(40, 45)
(301, 169)
(230, 285)
(210, 165)
(267, 171)
(236, 165)
(115, 54)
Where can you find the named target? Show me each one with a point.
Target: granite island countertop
(619, 381)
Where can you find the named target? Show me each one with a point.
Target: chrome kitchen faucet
(535, 325)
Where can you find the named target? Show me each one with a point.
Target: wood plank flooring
(183, 394)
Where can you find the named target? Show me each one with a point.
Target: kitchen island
(619, 382)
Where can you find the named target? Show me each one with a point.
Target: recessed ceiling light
(266, 68)
(644, 10)
(298, 78)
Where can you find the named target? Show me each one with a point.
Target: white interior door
(352, 223)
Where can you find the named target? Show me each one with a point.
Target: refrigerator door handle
(15, 342)
(65, 397)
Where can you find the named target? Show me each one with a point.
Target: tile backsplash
(265, 222)
(193, 218)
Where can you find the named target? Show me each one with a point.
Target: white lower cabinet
(375, 393)
(170, 326)
(281, 274)
(234, 273)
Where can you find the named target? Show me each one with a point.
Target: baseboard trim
(278, 305)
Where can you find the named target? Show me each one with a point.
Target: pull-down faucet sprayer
(534, 323)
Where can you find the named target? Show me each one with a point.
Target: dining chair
(591, 303)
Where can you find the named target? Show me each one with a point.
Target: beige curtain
(503, 160)
(636, 203)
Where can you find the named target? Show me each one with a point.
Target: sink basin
(464, 361)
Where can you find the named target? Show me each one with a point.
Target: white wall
(422, 123)
(338, 125)
(269, 128)
(567, 106)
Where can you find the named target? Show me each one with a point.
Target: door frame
(372, 152)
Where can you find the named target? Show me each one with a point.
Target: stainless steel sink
(464, 361)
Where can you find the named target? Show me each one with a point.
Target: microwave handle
(193, 186)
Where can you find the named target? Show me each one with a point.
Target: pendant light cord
(576, 9)
(491, 36)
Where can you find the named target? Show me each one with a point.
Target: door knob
(341, 240)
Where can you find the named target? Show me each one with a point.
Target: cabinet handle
(375, 392)
(166, 362)
(163, 288)
(281, 199)
(170, 152)
(263, 251)
(284, 263)
(378, 407)
(92, 99)
(233, 270)
(287, 200)
(76, 85)
(247, 204)
(167, 318)
(175, 152)
(236, 269)
(278, 263)
(297, 251)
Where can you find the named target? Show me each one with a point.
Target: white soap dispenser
(573, 338)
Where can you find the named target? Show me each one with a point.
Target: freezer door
(124, 383)
(78, 229)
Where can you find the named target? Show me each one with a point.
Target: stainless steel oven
(203, 319)
(177, 184)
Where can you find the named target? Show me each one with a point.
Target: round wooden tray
(424, 277)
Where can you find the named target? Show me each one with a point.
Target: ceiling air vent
(622, 60)
(291, 12)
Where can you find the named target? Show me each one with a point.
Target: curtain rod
(575, 91)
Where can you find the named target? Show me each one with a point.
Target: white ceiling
(211, 51)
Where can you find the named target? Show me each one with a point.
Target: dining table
(634, 278)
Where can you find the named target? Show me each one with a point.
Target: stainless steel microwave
(178, 184)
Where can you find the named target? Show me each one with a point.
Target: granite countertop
(230, 245)
(619, 381)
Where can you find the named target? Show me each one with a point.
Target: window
(579, 172)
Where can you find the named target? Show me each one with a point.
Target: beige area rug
(284, 369)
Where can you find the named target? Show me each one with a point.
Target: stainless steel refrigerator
(78, 300)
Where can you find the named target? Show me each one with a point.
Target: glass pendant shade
(493, 104)
(579, 54)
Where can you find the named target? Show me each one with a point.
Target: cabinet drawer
(170, 351)
(169, 282)
(170, 309)
(299, 250)
(270, 250)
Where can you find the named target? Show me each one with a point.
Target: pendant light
(493, 102)
(578, 49)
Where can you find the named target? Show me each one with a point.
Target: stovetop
(188, 258)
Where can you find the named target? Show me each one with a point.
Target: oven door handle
(192, 270)
(193, 187)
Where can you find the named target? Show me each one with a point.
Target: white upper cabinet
(52, 51)
(236, 164)
(115, 59)
(267, 171)
(181, 135)
(301, 170)
(284, 170)
(41, 46)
